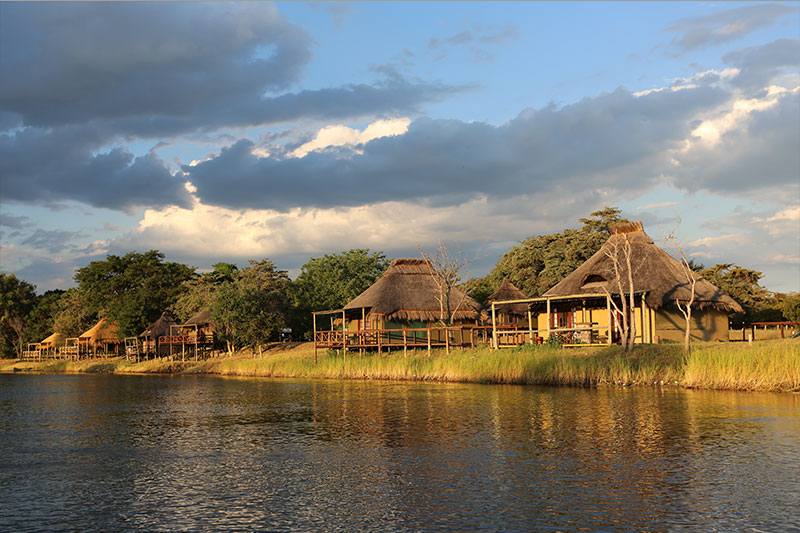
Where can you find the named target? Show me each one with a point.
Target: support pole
(429, 339)
(405, 342)
(314, 315)
(608, 309)
(494, 327)
(530, 326)
(549, 319)
(344, 334)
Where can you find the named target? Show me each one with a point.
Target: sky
(235, 131)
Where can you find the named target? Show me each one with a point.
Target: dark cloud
(12, 221)
(157, 70)
(725, 26)
(52, 241)
(760, 65)
(759, 155)
(615, 137)
(43, 166)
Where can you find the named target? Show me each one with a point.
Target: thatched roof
(103, 331)
(655, 273)
(203, 318)
(55, 339)
(408, 291)
(160, 327)
(508, 291)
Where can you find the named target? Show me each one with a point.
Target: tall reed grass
(766, 366)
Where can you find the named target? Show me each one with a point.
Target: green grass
(768, 365)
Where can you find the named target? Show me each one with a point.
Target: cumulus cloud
(610, 142)
(49, 166)
(725, 26)
(760, 65)
(154, 70)
(474, 40)
(341, 135)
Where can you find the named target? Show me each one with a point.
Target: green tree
(790, 307)
(17, 299)
(541, 261)
(73, 316)
(42, 316)
(132, 290)
(742, 285)
(197, 293)
(251, 309)
(330, 281)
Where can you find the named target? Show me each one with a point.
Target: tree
(685, 307)
(330, 281)
(133, 290)
(251, 309)
(620, 250)
(539, 262)
(742, 285)
(197, 293)
(73, 316)
(447, 268)
(42, 316)
(790, 307)
(17, 298)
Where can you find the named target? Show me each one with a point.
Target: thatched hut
(658, 281)
(508, 314)
(202, 325)
(101, 339)
(159, 328)
(51, 344)
(407, 296)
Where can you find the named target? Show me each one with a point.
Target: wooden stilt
(494, 328)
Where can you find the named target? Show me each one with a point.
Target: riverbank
(762, 366)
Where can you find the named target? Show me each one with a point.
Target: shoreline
(762, 366)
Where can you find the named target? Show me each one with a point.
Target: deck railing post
(405, 342)
(494, 328)
(314, 315)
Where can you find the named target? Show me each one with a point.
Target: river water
(113, 453)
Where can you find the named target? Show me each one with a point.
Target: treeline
(253, 304)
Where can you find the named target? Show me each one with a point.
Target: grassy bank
(765, 366)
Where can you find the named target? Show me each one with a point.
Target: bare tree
(619, 251)
(684, 306)
(447, 269)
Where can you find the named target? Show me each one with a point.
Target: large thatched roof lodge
(511, 314)
(151, 335)
(401, 308)
(581, 308)
(101, 339)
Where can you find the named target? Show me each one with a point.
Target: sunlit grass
(768, 365)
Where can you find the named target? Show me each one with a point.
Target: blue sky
(227, 132)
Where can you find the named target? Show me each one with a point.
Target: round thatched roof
(508, 291)
(103, 331)
(655, 273)
(408, 291)
(203, 318)
(55, 339)
(160, 327)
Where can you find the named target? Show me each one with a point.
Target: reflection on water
(155, 453)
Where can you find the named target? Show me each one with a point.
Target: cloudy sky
(226, 132)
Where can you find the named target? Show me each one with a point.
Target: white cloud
(340, 135)
(656, 206)
(790, 213)
(783, 258)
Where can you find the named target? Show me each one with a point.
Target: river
(115, 453)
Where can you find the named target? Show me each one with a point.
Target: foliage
(72, 316)
(330, 281)
(42, 317)
(790, 307)
(132, 290)
(197, 293)
(741, 284)
(539, 262)
(478, 288)
(251, 308)
(17, 299)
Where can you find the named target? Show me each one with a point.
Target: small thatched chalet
(101, 339)
(202, 325)
(159, 328)
(406, 296)
(579, 300)
(56, 340)
(508, 314)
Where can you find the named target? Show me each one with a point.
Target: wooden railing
(186, 339)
